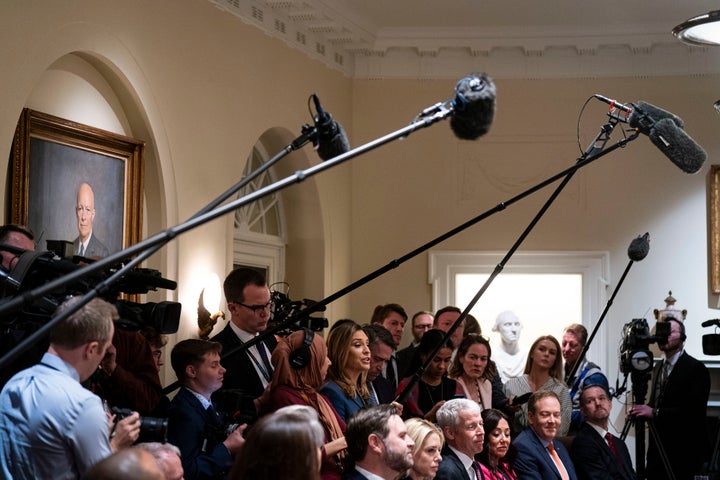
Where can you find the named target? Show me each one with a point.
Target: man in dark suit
(393, 317)
(378, 443)
(421, 322)
(248, 371)
(194, 426)
(596, 453)
(540, 456)
(677, 409)
(87, 244)
(462, 425)
(382, 347)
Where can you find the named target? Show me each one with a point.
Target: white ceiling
(511, 38)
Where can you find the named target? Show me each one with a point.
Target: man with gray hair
(379, 444)
(167, 457)
(50, 425)
(462, 426)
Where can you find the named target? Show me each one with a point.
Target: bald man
(87, 244)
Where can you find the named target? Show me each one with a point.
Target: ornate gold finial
(670, 310)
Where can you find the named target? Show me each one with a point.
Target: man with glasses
(249, 371)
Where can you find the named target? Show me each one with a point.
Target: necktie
(611, 444)
(212, 412)
(373, 395)
(558, 463)
(263, 355)
(82, 250)
(390, 372)
(478, 472)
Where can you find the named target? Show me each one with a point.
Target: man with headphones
(677, 409)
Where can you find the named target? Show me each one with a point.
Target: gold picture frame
(714, 227)
(51, 157)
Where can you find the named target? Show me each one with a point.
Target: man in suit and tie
(597, 453)
(378, 443)
(382, 347)
(194, 425)
(462, 425)
(421, 322)
(248, 371)
(540, 456)
(677, 409)
(393, 317)
(87, 244)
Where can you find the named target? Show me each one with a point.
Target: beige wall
(201, 87)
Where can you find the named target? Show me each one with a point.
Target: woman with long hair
(477, 375)
(434, 387)
(301, 364)
(349, 352)
(428, 440)
(498, 454)
(285, 444)
(543, 371)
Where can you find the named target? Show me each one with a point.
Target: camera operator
(127, 377)
(677, 408)
(50, 425)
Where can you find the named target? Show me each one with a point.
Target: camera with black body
(635, 355)
(285, 310)
(151, 429)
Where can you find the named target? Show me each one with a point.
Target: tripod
(640, 381)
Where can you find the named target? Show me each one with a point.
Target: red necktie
(611, 444)
(558, 463)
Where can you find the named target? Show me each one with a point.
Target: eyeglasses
(256, 308)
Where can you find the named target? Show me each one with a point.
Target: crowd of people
(347, 405)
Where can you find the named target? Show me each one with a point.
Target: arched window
(260, 235)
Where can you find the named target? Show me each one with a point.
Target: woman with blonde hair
(349, 352)
(543, 371)
(301, 364)
(428, 440)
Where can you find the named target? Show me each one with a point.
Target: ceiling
(511, 38)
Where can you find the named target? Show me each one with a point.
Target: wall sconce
(703, 30)
(209, 301)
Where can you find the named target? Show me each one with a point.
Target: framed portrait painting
(714, 227)
(76, 183)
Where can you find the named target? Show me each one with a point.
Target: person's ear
(449, 433)
(375, 443)
(190, 371)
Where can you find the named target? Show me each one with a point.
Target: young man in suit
(249, 371)
(678, 403)
(462, 426)
(382, 347)
(597, 453)
(194, 425)
(540, 456)
(378, 443)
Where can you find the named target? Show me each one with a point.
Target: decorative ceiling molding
(345, 42)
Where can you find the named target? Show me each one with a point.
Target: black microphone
(711, 322)
(639, 247)
(473, 106)
(645, 115)
(613, 103)
(677, 145)
(331, 139)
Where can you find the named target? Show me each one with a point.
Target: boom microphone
(677, 145)
(331, 138)
(474, 106)
(644, 115)
(639, 247)
(614, 103)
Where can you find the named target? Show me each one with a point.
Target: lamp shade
(703, 30)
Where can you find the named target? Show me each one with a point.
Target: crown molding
(342, 42)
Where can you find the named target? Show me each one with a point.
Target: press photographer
(676, 410)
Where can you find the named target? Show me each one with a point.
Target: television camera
(635, 355)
